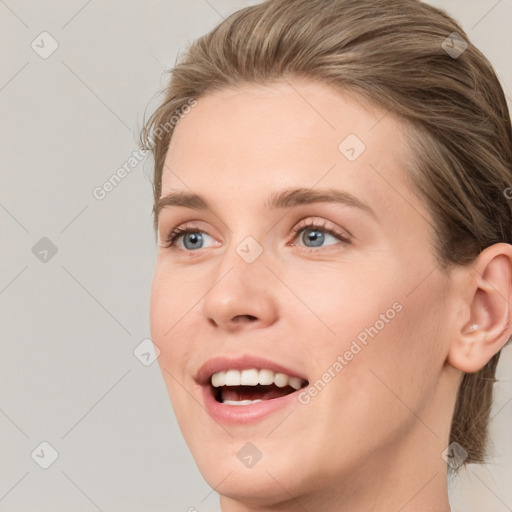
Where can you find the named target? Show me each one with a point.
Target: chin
(262, 484)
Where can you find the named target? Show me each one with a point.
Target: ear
(488, 310)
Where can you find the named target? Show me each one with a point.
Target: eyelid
(164, 231)
(183, 228)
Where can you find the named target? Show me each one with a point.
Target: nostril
(243, 318)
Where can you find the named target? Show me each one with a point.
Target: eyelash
(177, 232)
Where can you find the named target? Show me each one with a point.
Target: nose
(242, 295)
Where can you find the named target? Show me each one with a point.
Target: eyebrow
(287, 198)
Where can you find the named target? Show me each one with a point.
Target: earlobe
(489, 310)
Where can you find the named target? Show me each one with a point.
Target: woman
(333, 283)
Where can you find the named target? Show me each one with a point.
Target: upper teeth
(253, 377)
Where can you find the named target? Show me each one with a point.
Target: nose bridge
(242, 269)
(245, 242)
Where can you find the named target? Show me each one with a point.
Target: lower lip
(241, 414)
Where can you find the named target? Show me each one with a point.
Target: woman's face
(359, 321)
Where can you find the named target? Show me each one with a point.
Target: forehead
(292, 119)
(238, 144)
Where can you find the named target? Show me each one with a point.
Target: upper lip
(241, 362)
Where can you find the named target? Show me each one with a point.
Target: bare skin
(371, 439)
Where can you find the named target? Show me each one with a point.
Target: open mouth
(245, 387)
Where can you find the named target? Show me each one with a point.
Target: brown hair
(403, 56)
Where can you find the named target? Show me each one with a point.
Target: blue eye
(195, 238)
(316, 235)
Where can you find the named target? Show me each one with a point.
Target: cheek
(166, 310)
(396, 370)
(169, 311)
(343, 302)
(385, 335)
(171, 298)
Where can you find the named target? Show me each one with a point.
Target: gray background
(70, 324)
